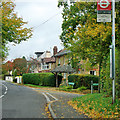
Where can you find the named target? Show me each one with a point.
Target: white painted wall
(9, 78)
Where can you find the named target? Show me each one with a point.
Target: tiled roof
(62, 52)
(64, 69)
(49, 60)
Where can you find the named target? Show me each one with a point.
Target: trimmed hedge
(43, 79)
(82, 80)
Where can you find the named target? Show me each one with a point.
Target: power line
(46, 20)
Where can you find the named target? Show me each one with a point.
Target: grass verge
(37, 86)
(96, 106)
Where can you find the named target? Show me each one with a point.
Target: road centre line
(52, 96)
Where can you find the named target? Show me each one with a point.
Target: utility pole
(113, 48)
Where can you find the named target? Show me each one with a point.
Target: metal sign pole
(113, 46)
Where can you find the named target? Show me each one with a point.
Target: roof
(39, 53)
(49, 60)
(64, 69)
(62, 52)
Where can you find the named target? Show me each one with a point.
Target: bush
(105, 75)
(81, 88)
(15, 80)
(43, 79)
(69, 87)
(82, 80)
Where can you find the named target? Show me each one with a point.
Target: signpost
(104, 15)
(113, 47)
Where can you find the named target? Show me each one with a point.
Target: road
(22, 102)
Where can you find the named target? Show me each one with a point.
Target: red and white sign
(103, 4)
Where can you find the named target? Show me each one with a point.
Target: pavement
(60, 107)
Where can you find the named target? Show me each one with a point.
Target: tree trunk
(56, 79)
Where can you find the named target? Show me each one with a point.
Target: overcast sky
(45, 34)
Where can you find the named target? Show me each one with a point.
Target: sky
(46, 19)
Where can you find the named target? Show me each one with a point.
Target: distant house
(87, 69)
(45, 60)
(47, 64)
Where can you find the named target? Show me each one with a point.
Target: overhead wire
(46, 20)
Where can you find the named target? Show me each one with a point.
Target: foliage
(44, 79)
(68, 88)
(7, 67)
(82, 88)
(15, 80)
(82, 80)
(84, 36)
(13, 29)
(96, 106)
(106, 82)
(20, 65)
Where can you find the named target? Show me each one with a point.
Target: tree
(83, 35)
(7, 67)
(13, 29)
(20, 65)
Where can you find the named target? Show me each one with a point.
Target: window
(93, 72)
(64, 75)
(50, 65)
(59, 61)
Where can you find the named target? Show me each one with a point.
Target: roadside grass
(96, 106)
(78, 90)
(37, 86)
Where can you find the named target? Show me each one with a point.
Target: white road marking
(5, 91)
(50, 102)
(52, 96)
(47, 98)
(1, 96)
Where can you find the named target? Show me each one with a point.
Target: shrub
(15, 80)
(69, 87)
(82, 80)
(81, 88)
(44, 79)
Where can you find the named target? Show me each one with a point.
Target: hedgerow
(82, 80)
(43, 79)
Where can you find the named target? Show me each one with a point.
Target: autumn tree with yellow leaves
(13, 30)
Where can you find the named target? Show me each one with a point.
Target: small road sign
(103, 4)
(103, 10)
(103, 17)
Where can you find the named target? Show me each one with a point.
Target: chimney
(55, 50)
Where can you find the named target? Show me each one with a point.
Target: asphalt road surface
(22, 102)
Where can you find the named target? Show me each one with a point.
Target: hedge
(43, 79)
(82, 80)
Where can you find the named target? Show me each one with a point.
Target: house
(87, 69)
(45, 61)
(62, 66)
